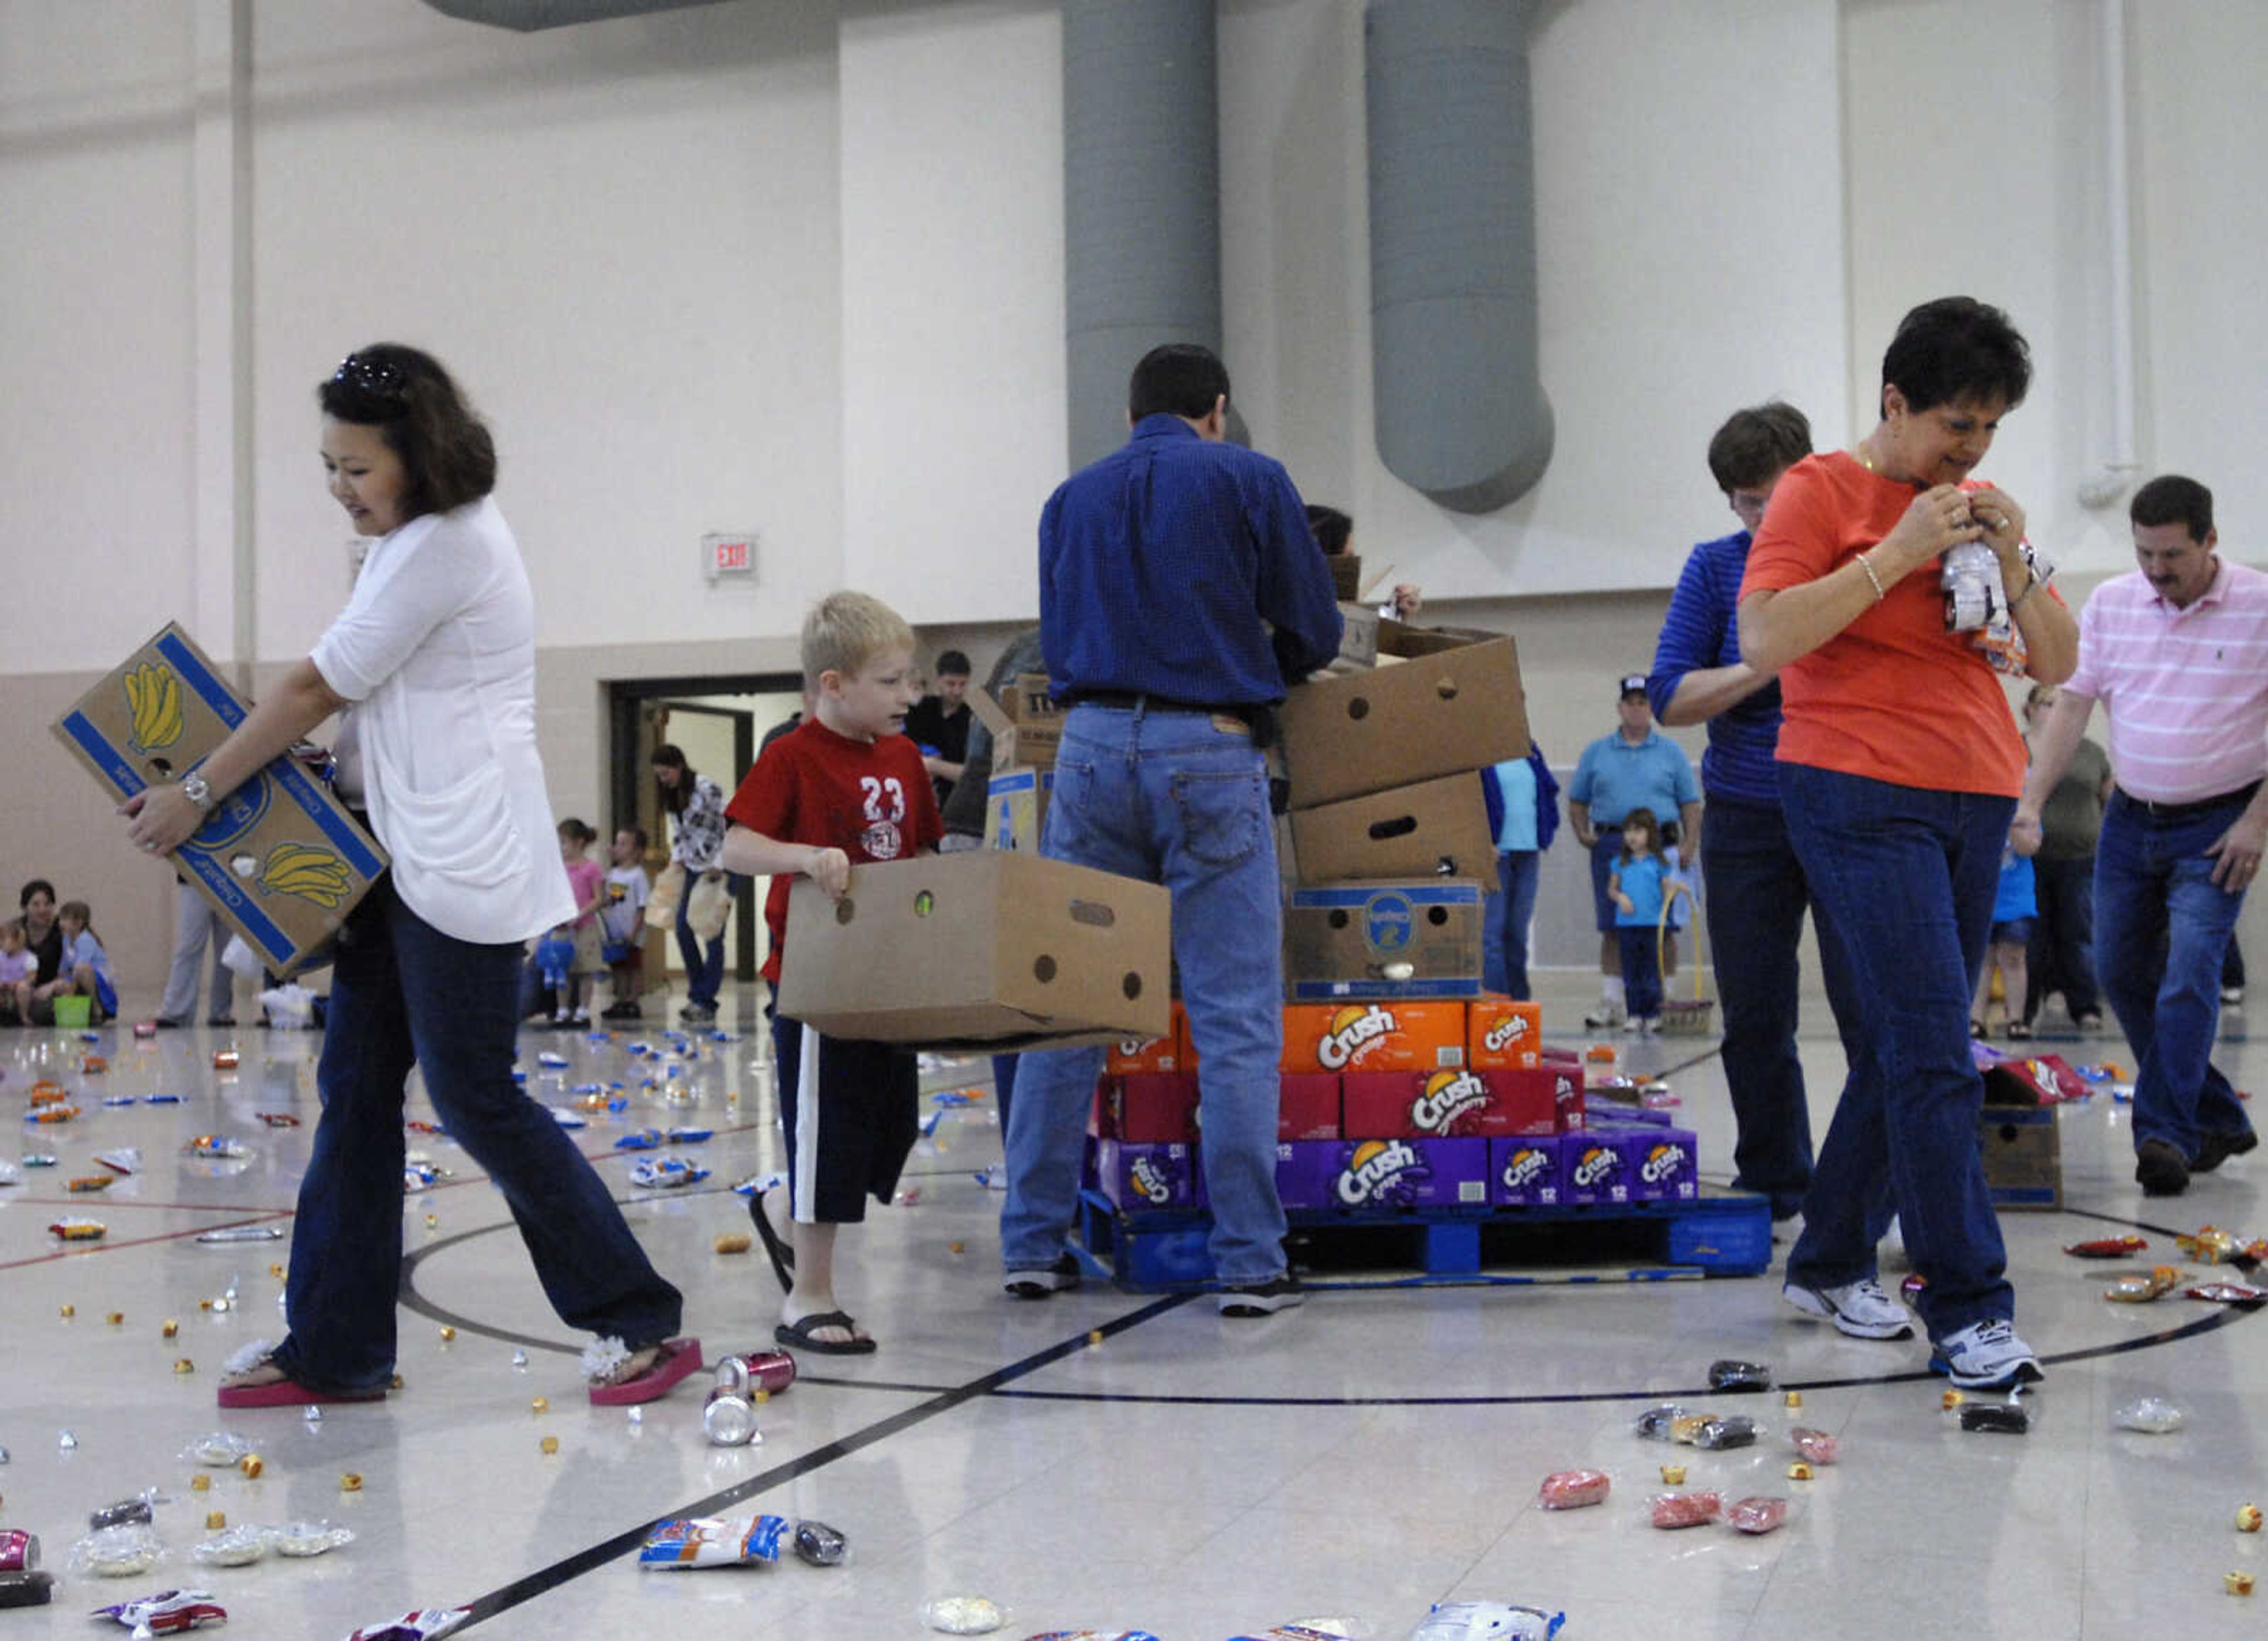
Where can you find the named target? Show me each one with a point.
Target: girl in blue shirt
(1638, 884)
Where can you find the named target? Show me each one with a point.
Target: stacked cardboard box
(1026, 727)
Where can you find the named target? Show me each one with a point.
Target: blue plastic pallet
(1722, 1234)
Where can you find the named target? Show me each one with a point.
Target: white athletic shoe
(1985, 1355)
(1859, 1308)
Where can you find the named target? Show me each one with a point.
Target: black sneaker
(1059, 1278)
(2159, 1169)
(697, 1013)
(623, 1011)
(2215, 1148)
(1260, 1298)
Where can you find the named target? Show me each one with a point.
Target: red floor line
(74, 1250)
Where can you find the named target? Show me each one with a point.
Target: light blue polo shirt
(1615, 777)
(1518, 781)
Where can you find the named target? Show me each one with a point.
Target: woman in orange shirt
(1899, 769)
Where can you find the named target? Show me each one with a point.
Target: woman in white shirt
(432, 663)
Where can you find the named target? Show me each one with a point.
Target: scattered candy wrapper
(2110, 1248)
(169, 1612)
(2140, 1290)
(644, 1139)
(243, 1233)
(962, 1616)
(691, 1135)
(1572, 1490)
(418, 1176)
(1729, 1375)
(1757, 1515)
(38, 1160)
(551, 1061)
(1817, 1446)
(221, 1449)
(2243, 1295)
(2209, 1246)
(117, 1552)
(818, 1545)
(715, 1541)
(279, 1119)
(1487, 1621)
(231, 1547)
(1994, 1418)
(215, 1145)
(425, 1623)
(1659, 1423)
(2152, 1416)
(80, 1230)
(1671, 1511)
(567, 1119)
(161, 1099)
(666, 1173)
(125, 1513)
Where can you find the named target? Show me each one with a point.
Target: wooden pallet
(1722, 1234)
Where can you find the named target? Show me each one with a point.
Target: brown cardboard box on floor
(989, 950)
(280, 857)
(1434, 828)
(1454, 709)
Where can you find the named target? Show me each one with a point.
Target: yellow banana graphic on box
(313, 874)
(153, 699)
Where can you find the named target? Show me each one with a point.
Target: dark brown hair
(2173, 499)
(445, 450)
(1758, 444)
(1644, 818)
(674, 797)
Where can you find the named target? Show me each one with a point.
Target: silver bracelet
(1879, 594)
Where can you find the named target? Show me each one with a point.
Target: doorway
(718, 723)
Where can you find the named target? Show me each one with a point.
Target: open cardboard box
(1437, 827)
(1026, 727)
(280, 857)
(1454, 705)
(989, 949)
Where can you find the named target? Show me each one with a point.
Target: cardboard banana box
(280, 857)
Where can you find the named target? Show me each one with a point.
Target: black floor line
(568, 1567)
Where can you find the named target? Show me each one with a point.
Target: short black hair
(1957, 349)
(1332, 528)
(1758, 444)
(637, 835)
(405, 394)
(1181, 378)
(2172, 499)
(952, 664)
(37, 886)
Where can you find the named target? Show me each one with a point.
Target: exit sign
(728, 557)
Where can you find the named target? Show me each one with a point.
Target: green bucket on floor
(72, 1013)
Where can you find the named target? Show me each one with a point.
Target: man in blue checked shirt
(1756, 893)
(1163, 568)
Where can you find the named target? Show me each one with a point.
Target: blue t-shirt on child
(1641, 880)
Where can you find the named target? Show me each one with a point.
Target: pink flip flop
(289, 1393)
(678, 1359)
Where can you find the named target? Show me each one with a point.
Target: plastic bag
(668, 890)
(711, 903)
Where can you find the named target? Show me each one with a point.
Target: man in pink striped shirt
(2177, 651)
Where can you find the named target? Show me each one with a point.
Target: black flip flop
(776, 1248)
(799, 1336)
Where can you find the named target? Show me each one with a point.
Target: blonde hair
(845, 630)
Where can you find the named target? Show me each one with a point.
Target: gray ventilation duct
(1141, 198)
(528, 16)
(1459, 402)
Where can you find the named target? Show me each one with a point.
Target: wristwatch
(194, 788)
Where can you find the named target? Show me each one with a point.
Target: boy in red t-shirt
(845, 786)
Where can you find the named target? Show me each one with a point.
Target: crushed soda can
(27, 1589)
(818, 1545)
(714, 1542)
(19, 1551)
(1730, 1375)
(2152, 1416)
(423, 1623)
(768, 1370)
(169, 1612)
(729, 1418)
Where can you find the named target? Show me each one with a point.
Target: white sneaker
(1605, 1018)
(1985, 1355)
(1633, 1026)
(1651, 1025)
(1859, 1308)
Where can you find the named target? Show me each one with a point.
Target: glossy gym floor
(1101, 1460)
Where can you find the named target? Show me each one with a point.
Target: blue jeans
(1756, 899)
(2062, 955)
(2161, 932)
(704, 972)
(403, 993)
(1507, 913)
(1907, 878)
(1169, 797)
(1640, 946)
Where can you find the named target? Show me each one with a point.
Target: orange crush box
(1389, 1036)
(1154, 1054)
(1150, 1108)
(1556, 1088)
(1501, 1035)
(1308, 1106)
(1438, 1104)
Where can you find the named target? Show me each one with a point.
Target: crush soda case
(279, 857)
(1385, 1105)
(1385, 1036)
(1372, 1176)
(1137, 1176)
